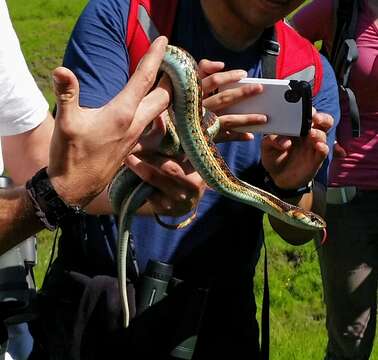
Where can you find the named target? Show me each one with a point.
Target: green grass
(44, 27)
(297, 312)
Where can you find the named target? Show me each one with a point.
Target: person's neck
(227, 27)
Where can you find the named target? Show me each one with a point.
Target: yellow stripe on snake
(195, 132)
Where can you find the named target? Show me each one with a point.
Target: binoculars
(153, 287)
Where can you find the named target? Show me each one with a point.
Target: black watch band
(286, 193)
(49, 207)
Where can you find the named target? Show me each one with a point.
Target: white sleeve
(22, 105)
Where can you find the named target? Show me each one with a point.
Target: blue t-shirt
(224, 230)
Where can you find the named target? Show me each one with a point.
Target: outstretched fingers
(142, 80)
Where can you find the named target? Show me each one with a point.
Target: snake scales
(195, 132)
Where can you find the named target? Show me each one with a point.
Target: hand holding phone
(287, 104)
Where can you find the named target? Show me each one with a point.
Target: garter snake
(195, 133)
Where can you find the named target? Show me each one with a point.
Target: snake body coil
(196, 141)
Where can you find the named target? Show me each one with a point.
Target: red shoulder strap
(147, 19)
(297, 55)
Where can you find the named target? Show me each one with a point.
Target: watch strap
(49, 207)
(286, 193)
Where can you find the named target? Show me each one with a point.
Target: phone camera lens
(292, 96)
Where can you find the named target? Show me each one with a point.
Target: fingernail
(162, 39)
(261, 118)
(56, 79)
(284, 142)
(242, 74)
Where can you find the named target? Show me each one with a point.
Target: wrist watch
(49, 207)
(286, 193)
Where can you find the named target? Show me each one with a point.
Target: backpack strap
(345, 33)
(345, 53)
(147, 20)
(270, 51)
(287, 55)
(346, 15)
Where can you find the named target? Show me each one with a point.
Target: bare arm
(17, 218)
(26, 153)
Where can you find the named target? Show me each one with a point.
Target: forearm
(101, 206)
(315, 202)
(26, 153)
(17, 218)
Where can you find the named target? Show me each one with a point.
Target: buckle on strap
(271, 47)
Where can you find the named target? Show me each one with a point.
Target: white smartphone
(287, 104)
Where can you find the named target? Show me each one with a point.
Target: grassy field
(297, 313)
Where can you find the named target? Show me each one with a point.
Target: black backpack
(344, 53)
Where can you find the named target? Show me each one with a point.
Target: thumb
(66, 88)
(339, 151)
